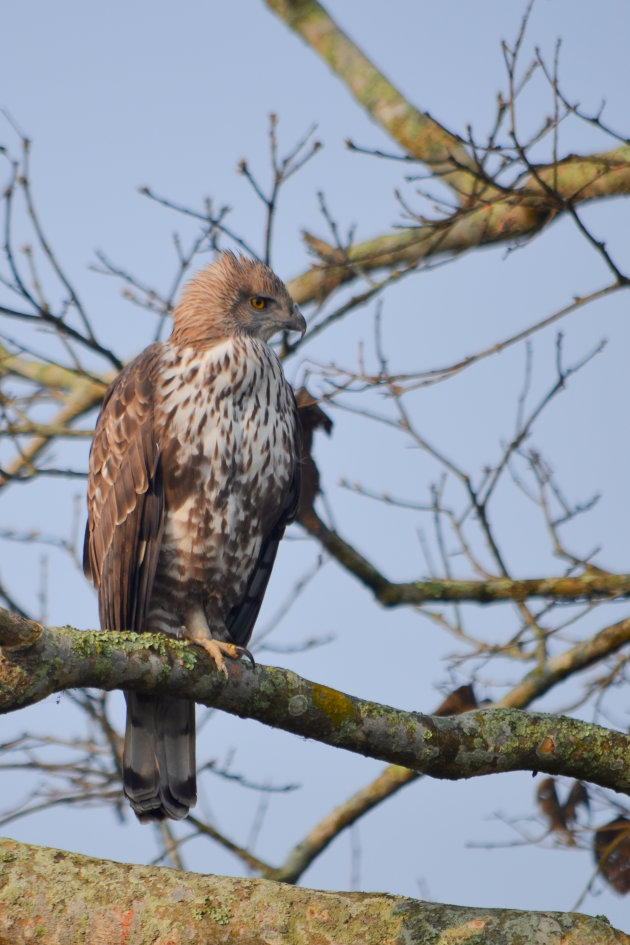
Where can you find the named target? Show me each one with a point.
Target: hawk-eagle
(193, 476)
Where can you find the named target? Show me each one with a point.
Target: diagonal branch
(328, 829)
(415, 131)
(85, 395)
(516, 215)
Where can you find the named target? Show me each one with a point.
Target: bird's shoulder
(134, 385)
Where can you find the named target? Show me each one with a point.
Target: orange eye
(259, 303)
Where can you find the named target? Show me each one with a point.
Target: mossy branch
(39, 661)
(592, 584)
(415, 131)
(516, 214)
(48, 895)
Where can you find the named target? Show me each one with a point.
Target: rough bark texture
(52, 896)
(39, 661)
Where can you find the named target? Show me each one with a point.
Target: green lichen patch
(220, 915)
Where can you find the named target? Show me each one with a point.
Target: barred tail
(159, 767)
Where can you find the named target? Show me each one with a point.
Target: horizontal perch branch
(40, 661)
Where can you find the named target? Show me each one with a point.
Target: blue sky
(172, 96)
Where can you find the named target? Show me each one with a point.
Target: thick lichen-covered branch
(555, 669)
(49, 895)
(41, 661)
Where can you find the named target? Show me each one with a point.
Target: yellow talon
(218, 650)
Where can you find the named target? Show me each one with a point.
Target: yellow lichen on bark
(335, 705)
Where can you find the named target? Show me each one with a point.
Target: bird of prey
(194, 475)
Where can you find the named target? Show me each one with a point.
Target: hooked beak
(296, 322)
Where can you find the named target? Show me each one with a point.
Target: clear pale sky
(171, 96)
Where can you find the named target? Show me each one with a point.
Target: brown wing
(242, 617)
(125, 498)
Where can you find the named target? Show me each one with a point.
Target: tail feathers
(159, 766)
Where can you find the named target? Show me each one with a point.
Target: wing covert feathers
(125, 498)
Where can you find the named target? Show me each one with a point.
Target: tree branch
(559, 667)
(50, 895)
(328, 829)
(494, 213)
(78, 392)
(590, 585)
(415, 131)
(84, 398)
(476, 743)
(519, 213)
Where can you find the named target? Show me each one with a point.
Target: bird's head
(234, 296)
